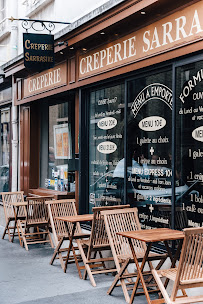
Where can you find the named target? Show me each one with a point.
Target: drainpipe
(14, 123)
(13, 8)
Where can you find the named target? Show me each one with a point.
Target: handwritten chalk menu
(106, 146)
(149, 138)
(189, 113)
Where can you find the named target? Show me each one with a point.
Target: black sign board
(38, 51)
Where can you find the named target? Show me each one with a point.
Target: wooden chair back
(36, 210)
(122, 220)
(99, 235)
(11, 197)
(64, 207)
(190, 268)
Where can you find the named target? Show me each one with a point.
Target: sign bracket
(28, 24)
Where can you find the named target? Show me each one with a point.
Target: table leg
(140, 269)
(70, 243)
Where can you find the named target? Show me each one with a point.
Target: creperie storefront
(121, 122)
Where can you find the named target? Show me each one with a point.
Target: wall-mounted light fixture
(60, 43)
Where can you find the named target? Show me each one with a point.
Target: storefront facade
(121, 122)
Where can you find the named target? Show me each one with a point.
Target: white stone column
(14, 124)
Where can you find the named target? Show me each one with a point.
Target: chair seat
(171, 274)
(140, 255)
(98, 246)
(76, 236)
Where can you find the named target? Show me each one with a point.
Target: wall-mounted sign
(46, 80)
(38, 51)
(181, 28)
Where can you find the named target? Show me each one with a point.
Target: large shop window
(57, 169)
(106, 147)
(149, 148)
(189, 138)
(5, 150)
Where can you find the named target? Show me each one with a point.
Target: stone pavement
(26, 277)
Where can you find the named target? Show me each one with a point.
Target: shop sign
(38, 51)
(174, 31)
(46, 80)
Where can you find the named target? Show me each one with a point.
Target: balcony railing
(5, 27)
(33, 6)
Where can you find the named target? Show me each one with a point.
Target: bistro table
(71, 234)
(16, 207)
(152, 236)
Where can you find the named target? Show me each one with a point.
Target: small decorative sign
(38, 51)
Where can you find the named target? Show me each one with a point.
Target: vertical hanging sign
(38, 51)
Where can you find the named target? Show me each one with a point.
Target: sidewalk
(27, 277)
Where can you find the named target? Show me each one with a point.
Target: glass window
(57, 147)
(106, 146)
(149, 138)
(5, 150)
(189, 138)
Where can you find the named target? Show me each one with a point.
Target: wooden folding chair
(97, 243)
(37, 219)
(8, 198)
(127, 220)
(189, 273)
(65, 207)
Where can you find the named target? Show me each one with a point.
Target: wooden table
(16, 206)
(71, 234)
(151, 236)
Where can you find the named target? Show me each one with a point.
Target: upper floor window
(2, 9)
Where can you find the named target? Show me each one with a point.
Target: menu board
(106, 146)
(189, 149)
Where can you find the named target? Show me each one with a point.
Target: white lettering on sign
(152, 91)
(107, 123)
(173, 31)
(45, 80)
(190, 85)
(152, 123)
(107, 147)
(197, 134)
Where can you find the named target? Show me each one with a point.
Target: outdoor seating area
(116, 245)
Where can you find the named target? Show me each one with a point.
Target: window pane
(149, 140)
(106, 146)
(189, 163)
(5, 150)
(58, 150)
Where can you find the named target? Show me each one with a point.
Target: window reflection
(5, 150)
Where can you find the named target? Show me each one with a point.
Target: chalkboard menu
(106, 146)
(189, 148)
(149, 138)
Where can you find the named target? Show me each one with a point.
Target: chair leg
(87, 267)
(6, 228)
(57, 251)
(161, 286)
(76, 262)
(118, 277)
(22, 234)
